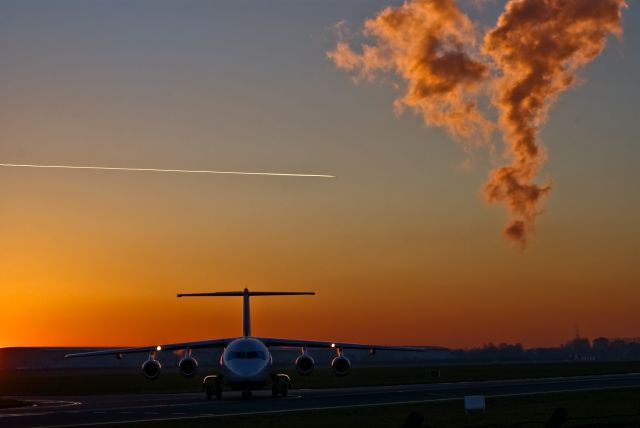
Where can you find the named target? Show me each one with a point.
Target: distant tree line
(579, 349)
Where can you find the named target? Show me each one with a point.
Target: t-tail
(245, 294)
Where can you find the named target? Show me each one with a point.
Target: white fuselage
(246, 364)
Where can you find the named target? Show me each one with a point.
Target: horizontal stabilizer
(246, 322)
(248, 293)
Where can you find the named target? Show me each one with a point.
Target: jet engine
(151, 368)
(188, 366)
(340, 365)
(304, 364)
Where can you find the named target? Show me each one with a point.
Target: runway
(103, 410)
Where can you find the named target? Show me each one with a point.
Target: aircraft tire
(209, 392)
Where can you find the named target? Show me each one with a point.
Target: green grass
(117, 381)
(615, 408)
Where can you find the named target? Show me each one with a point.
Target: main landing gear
(280, 384)
(212, 386)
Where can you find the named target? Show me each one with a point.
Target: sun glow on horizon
(323, 188)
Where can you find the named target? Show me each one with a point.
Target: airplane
(246, 362)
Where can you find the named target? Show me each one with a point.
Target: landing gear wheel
(209, 392)
(212, 386)
(280, 384)
(246, 395)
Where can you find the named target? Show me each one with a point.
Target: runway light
(158, 348)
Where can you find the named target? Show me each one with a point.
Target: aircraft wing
(215, 343)
(340, 345)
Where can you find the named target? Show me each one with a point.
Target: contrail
(185, 171)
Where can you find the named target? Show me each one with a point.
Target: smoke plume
(530, 57)
(426, 44)
(538, 45)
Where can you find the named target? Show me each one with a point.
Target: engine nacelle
(340, 365)
(305, 364)
(188, 366)
(151, 368)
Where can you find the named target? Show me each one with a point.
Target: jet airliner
(246, 362)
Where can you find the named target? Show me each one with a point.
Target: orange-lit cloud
(538, 45)
(427, 44)
(530, 57)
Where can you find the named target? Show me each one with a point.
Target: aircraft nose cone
(253, 371)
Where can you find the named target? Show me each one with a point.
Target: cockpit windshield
(248, 355)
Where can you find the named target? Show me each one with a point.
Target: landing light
(333, 345)
(158, 348)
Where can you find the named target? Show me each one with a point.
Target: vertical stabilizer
(246, 314)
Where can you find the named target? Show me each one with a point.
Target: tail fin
(246, 319)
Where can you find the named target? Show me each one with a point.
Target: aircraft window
(256, 354)
(239, 355)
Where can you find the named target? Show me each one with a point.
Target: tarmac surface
(129, 409)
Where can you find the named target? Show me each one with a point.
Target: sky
(400, 247)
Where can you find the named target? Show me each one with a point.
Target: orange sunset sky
(400, 247)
